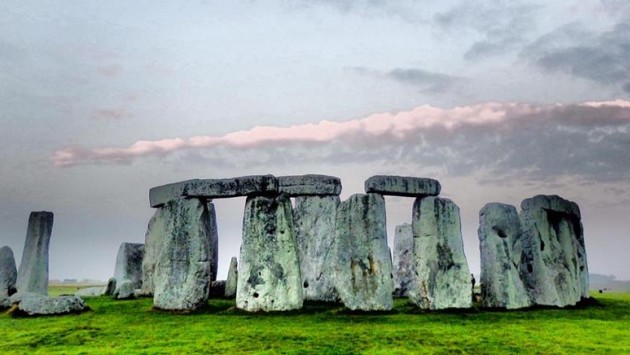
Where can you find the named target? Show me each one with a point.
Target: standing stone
(232, 279)
(363, 267)
(214, 241)
(501, 249)
(403, 259)
(33, 271)
(402, 186)
(153, 244)
(8, 275)
(128, 270)
(181, 277)
(35, 304)
(555, 270)
(314, 218)
(269, 270)
(442, 278)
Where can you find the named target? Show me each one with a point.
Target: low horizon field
(132, 326)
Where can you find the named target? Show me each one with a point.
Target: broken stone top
(309, 185)
(214, 188)
(552, 203)
(402, 186)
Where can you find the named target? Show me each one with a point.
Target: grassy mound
(133, 327)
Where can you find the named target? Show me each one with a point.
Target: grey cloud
(601, 58)
(503, 26)
(427, 81)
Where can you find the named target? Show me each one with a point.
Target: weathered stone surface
(501, 249)
(35, 304)
(214, 241)
(90, 291)
(8, 275)
(181, 277)
(214, 188)
(125, 289)
(269, 271)
(129, 269)
(443, 279)
(160, 195)
(314, 219)
(402, 186)
(153, 243)
(363, 267)
(232, 279)
(309, 185)
(403, 259)
(33, 271)
(555, 270)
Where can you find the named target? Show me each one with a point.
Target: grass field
(132, 327)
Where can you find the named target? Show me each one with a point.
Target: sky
(498, 100)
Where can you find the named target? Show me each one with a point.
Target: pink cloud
(401, 126)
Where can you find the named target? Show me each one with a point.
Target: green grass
(132, 327)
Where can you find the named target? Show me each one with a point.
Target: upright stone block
(232, 279)
(214, 241)
(363, 267)
(182, 272)
(153, 244)
(443, 279)
(309, 185)
(555, 270)
(403, 259)
(402, 186)
(314, 218)
(8, 275)
(128, 270)
(269, 271)
(33, 272)
(501, 249)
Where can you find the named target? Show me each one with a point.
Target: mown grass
(133, 327)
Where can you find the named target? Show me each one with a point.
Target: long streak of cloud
(507, 140)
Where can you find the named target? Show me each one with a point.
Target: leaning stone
(402, 186)
(362, 264)
(443, 279)
(555, 270)
(34, 304)
(501, 249)
(403, 259)
(128, 268)
(309, 185)
(232, 279)
(33, 272)
(181, 278)
(90, 292)
(8, 275)
(269, 270)
(314, 219)
(153, 243)
(214, 188)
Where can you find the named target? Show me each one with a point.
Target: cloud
(601, 58)
(502, 26)
(109, 113)
(505, 141)
(427, 81)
